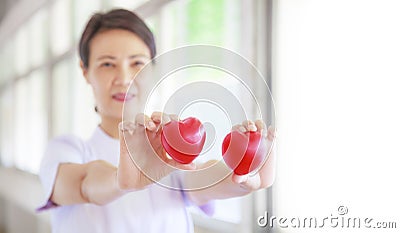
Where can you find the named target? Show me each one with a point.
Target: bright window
(62, 93)
(38, 37)
(128, 4)
(38, 123)
(7, 61)
(2, 66)
(30, 122)
(60, 26)
(22, 142)
(82, 11)
(337, 91)
(21, 50)
(7, 127)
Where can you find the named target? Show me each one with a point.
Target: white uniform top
(154, 209)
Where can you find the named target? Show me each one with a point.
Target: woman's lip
(121, 97)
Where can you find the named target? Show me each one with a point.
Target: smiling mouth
(121, 97)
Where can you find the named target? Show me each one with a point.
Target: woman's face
(115, 57)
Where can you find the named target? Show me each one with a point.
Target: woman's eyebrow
(138, 55)
(106, 57)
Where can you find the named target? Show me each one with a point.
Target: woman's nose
(123, 76)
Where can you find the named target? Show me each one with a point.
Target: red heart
(243, 152)
(183, 140)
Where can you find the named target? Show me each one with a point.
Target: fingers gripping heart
(243, 150)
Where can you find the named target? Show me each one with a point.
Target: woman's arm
(93, 182)
(235, 185)
(99, 182)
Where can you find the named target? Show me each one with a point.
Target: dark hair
(115, 19)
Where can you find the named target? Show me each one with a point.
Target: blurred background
(333, 69)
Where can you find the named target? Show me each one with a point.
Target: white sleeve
(64, 149)
(177, 180)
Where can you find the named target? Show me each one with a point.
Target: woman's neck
(110, 126)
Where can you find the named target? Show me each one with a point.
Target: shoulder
(61, 149)
(66, 148)
(67, 142)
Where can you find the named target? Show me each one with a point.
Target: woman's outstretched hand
(236, 185)
(265, 175)
(143, 160)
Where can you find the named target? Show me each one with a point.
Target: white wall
(337, 80)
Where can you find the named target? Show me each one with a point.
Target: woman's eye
(106, 64)
(138, 63)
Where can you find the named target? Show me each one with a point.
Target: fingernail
(152, 125)
(252, 128)
(242, 179)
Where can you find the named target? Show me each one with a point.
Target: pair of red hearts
(242, 152)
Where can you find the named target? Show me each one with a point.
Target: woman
(93, 183)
